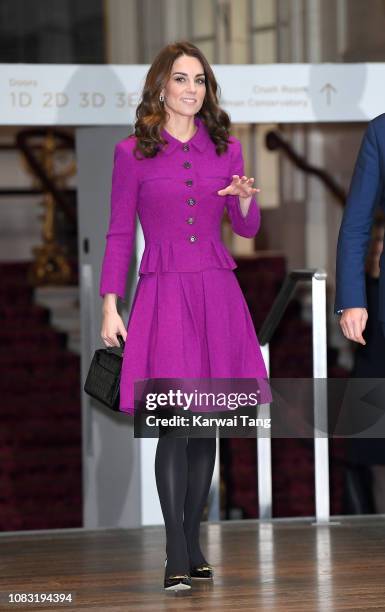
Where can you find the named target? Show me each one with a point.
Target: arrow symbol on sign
(328, 87)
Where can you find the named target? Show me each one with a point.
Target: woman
(189, 318)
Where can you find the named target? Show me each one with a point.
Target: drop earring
(161, 98)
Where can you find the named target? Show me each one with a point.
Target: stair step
(38, 358)
(38, 403)
(38, 335)
(21, 294)
(18, 314)
(57, 296)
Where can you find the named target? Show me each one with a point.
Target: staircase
(63, 304)
(40, 410)
(260, 278)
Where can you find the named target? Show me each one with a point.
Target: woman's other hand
(353, 323)
(112, 323)
(240, 186)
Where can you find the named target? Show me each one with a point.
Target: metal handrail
(321, 444)
(282, 300)
(274, 142)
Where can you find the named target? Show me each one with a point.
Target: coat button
(186, 147)
(193, 238)
(187, 164)
(189, 183)
(190, 220)
(191, 201)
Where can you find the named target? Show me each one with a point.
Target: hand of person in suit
(240, 186)
(112, 324)
(353, 323)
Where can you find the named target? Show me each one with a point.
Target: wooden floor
(285, 565)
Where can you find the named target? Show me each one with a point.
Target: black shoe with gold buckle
(202, 571)
(177, 582)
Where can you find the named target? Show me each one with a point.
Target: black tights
(183, 470)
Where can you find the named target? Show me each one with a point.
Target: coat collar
(199, 140)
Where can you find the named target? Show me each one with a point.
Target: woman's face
(186, 88)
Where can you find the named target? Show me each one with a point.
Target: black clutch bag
(103, 378)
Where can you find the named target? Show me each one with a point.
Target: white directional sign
(70, 94)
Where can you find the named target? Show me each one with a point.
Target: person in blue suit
(364, 460)
(360, 295)
(366, 193)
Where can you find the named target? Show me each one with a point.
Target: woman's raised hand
(240, 186)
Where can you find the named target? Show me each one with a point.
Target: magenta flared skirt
(188, 325)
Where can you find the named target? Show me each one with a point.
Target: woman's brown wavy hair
(151, 115)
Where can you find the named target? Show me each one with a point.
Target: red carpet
(40, 433)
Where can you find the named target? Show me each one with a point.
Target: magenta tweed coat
(189, 317)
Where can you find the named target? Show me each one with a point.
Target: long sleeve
(246, 226)
(122, 224)
(355, 231)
